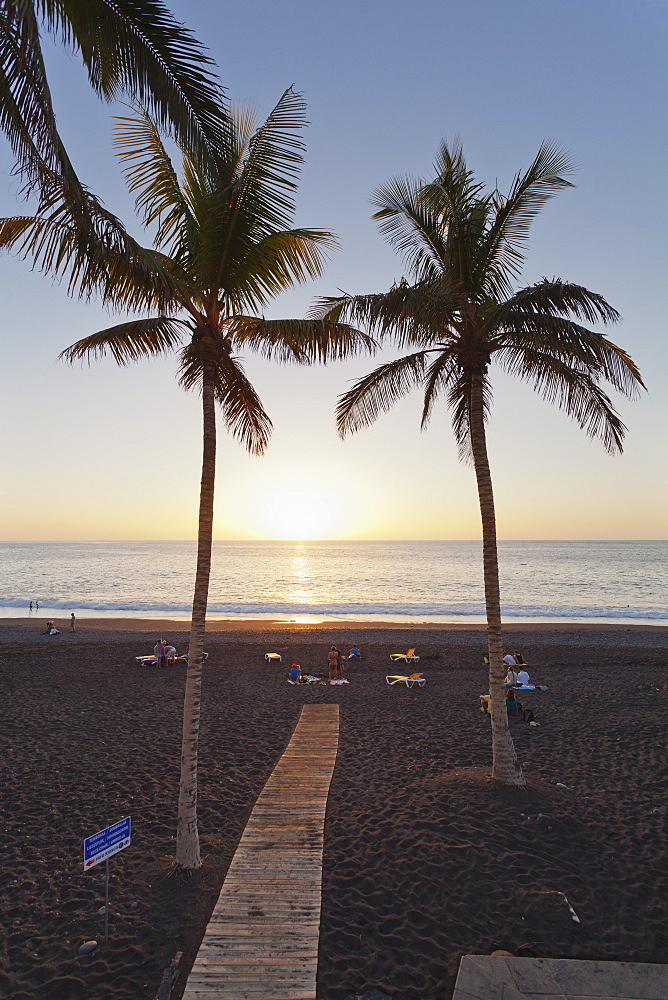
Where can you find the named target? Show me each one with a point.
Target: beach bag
(527, 715)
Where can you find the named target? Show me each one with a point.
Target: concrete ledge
(483, 977)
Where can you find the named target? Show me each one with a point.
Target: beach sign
(103, 845)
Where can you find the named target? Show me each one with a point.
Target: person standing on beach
(334, 664)
(30, 606)
(159, 653)
(36, 605)
(72, 621)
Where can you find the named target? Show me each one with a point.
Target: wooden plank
(262, 940)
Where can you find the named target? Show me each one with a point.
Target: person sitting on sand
(523, 677)
(159, 653)
(49, 626)
(510, 680)
(512, 704)
(355, 653)
(296, 674)
(509, 659)
(519, 659)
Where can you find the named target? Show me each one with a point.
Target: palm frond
(108, 262)
(258, 270)
(377, 392)
(241, 409)
(26, 109)
(574, 390)
(515, 213)
(274, 155)
(439, 376)
(536, 316)
(302, 341)
(410, 314)
(408, 225)
(129, 341)
(149, 172)
(140, 50)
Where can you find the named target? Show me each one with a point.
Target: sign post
(102, 846)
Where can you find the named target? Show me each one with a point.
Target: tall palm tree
(460, 312)
(128, 47)
(223, 240)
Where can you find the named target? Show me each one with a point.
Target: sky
(98, 452)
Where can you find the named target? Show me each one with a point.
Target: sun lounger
(152, 661)
(409, 681)
(408, 657)
(273, 657)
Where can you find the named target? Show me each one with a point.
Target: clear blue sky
(104, 453)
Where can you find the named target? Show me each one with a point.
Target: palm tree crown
(128, 47)
(459, 313)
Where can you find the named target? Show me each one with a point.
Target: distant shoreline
(272, 625)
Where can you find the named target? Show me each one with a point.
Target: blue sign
(107, 842)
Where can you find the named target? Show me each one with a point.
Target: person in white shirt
(509, 659)
(170, 654)
(523, 677)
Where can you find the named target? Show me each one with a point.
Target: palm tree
(464, 250)
(223, 240)
(132, 48)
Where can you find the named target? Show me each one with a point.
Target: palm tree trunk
(187, 836)
(505, 766)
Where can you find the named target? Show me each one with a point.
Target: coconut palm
(459, 314)
(223, 240)
(132, 48)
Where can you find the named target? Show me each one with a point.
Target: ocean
(412, 581)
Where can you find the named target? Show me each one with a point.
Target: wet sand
(424, 858)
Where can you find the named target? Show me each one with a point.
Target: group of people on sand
(165, 654)
(335, 660)
(52, 630)
(515, 677)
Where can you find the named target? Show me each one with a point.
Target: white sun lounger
(151, 661)
(273, 657)
(410, 682)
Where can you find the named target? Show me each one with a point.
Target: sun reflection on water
(300, 571)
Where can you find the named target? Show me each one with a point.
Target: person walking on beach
(30, 606)
(159, 653)
(72, 621)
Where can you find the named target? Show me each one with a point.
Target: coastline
(181, 625)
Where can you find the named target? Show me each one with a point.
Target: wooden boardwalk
(262, 940)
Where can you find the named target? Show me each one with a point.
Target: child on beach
(159, 653)
(296, 674)
(512, 704)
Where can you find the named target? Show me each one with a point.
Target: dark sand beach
(424, 858)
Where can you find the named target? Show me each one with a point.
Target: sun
(301, 513)
(299, 504)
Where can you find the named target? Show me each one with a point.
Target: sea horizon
(420, 581)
